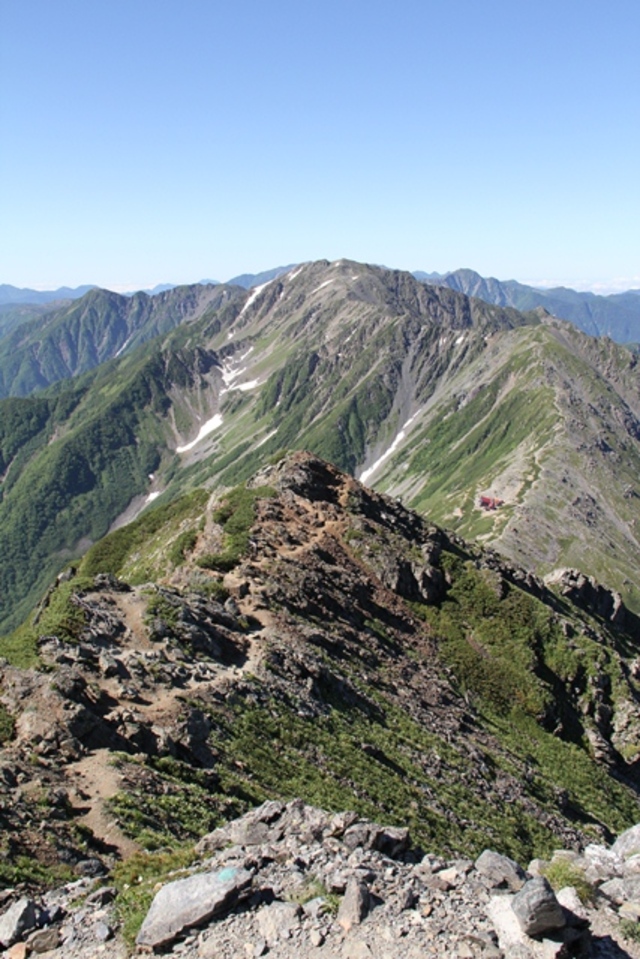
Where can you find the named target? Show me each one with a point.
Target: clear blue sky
(146, 141)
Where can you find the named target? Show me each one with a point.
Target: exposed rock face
(590, 595)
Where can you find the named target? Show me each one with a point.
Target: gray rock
(613, 890)
(102, 931)
(570, 900)
(19, 919)
(316, 938)
(537, 909)
(278, 921)
(630, 910)
(500, 870)
(190, 902)
(537, 867)
(44, 939)
(631, 885)
(600, 863)
(354, 906)
(90, 867)
(631, 867)
(628, 843)
(513, 941)
(101, 897)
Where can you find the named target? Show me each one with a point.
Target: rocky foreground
(289, 880)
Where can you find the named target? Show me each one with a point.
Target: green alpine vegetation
(429, 395)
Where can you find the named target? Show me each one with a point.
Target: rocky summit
(298, 643)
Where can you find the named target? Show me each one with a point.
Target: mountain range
(420, 390)
(616, 315)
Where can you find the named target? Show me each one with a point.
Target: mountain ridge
(447, 397)
(616, 315)
(305, 636)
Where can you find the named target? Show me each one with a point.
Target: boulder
(500, 870)
(537, 909)
(516, 944)
(18, 920)
(355, 905)
(190, 902)
(628, 843)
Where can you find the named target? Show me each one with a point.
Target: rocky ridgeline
(291, 880)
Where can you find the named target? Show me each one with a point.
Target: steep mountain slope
(101, 325)
(13, 315)
(616, 316)
(71, 463)
(363, 659)
(135, 409)
(548, 421)
(420, 390)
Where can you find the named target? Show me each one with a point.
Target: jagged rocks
(355, 904)
(264, 887)
(590, 595)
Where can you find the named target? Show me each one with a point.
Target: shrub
(561, 873)
(183, 544)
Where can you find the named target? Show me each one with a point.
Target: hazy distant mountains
(14, 294)
(617, 316)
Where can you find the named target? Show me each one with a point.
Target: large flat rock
(185, 903)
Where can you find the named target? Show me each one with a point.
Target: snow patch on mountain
(366, 474)
(213, 424)
(253, 297)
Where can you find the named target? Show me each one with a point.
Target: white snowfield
(364, 476)
(150, 498)
(213, 424)
(124, 346)
(326, 283)
(230, 374)
(255, 293)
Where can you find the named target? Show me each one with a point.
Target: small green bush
(6, 725)
(183, 544)
(630, 929)
(561, 873)
(219, 562)
(236, 514)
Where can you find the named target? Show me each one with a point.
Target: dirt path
(95, 780)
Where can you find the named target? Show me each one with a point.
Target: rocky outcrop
(293, 882)
(590, 595)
